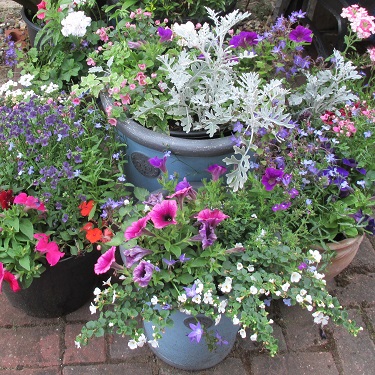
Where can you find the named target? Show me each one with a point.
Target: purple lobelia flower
(142, 274)
(196, 332)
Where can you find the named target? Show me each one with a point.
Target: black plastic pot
(60, 290)
(32, 28)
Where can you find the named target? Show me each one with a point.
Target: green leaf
(25, 262)
(27, 228)
(15, 223)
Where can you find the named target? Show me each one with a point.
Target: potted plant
(61, 190)
(185, 273)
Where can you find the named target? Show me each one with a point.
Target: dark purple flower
(293, 193)
(196, 333)
(142, 273)
(281, 207)
(206, 235)
(134, 255)
(302, 266)
(165, 34)
(301, 34)
(244, 39)
(159, 163)
(271, 178)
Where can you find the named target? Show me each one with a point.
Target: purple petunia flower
(301, 34)
(216, 171)
(272, 177)
(142, 274)
(159, 163)
(165, 34)
(134, 255)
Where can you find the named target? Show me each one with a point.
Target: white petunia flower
(251, 268)
(303, 292)
(239, 266)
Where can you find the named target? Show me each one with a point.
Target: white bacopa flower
(331, 305)
(262, 306)
(146, 208)
(75, 24)
(271, 321)
(277, 293)
(126, 202)
(285, 287)
(303, 292)
(153, 343)
(226, 287)
(77, 344)
(242, 333)
(217, 320)
(154, 300)
(222, 306)
(254, 337)
(318, 275)
(110, 324)
(320, 318)
(132, 344)
(309, 308)
(107, 282)
(197, 299)
(254, 216)
(316, 255)
(295, 277)
(239, 266)
(207, 298)
(253, 290)
(97, 291)
(308, 298)
(92, 308)
(25, 80)
(141, 340)
(251, 268)
(299, 298)
(236, 320)
(182, 298)
(199, 287)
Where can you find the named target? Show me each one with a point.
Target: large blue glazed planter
(189, 157)
(176, 349)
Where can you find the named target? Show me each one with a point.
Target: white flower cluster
(134, 344)
(75, 24)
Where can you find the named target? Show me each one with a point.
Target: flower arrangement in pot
(61, 187)
(66, 35)
(181, 255)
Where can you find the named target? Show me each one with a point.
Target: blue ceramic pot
(189, 157)
(176, 349)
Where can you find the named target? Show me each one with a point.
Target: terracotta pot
(345, 253)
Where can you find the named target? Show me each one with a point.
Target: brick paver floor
(32, 346)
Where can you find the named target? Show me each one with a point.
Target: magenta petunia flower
(9, 278)
(136, 229)
(165, 34)
(244, 39)
(49, 248)
(213, 217)
(301, 34)
(164, 214)
(105, 261)
(142, 273)
(134, 255)
(271, 178)
(29, 202)
(216, 171)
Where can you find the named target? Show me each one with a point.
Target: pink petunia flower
(9, 278)
(29, 202)
(212, 217)
(136, 229)
(216, 171)
(164, 214)
(50, 249)
(105, 261)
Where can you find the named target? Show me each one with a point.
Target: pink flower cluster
(49, 248)
(360, 21)
(345, 127)
(9, 278)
